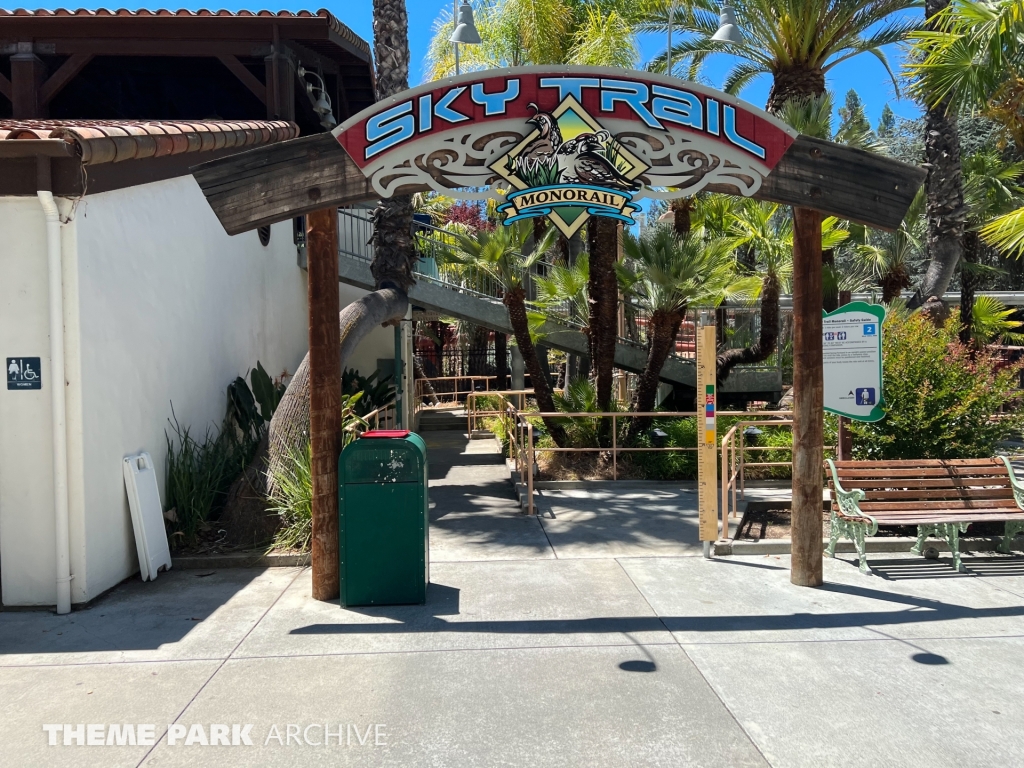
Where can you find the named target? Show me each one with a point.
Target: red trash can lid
(386, 433)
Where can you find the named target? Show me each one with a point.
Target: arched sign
(565, 142)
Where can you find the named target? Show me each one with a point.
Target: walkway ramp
(434, 295)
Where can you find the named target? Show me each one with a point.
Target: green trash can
(383, 519)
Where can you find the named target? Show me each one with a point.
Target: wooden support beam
(304, 175)
(5, 88)
(275, 182)
(27, 74)
(808, 400)
(324, 397)
(249, 80)
(65, 74)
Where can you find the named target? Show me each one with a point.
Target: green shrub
(939, 396)
(293, 483)
(293, 501)
(199, 474)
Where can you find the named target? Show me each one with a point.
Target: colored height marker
(707, 444)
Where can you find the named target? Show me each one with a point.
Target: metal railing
(449, 391)
(381, 418)
(735, 464)
(521, 436)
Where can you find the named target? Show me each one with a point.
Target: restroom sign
(24, 373)
(852, 361)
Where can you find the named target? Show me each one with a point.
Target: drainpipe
(57, 406)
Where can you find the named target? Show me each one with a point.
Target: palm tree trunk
(968, 282)
(681, 220)
(767, 336)
(289, 429)
(501, 359)
(943, 185)
(663, 329)
(603, 291)
(515, 301)
(893, 284)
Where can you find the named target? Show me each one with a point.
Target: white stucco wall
(161, 307)
(27, 550)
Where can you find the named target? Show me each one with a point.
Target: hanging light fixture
(465, 29)
(322, 102)
(728, 31)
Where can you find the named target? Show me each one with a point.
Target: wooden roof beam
(65, 73)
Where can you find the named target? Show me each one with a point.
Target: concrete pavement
(598, 638)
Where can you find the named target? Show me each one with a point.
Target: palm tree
(564, 292)
(583, 32)
(797, 42)
(392, 265)
(517, 33)
(990, 190)
(766, 230)
(892, 256)
(665, 274)
(506, 256)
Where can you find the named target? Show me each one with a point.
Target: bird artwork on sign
(549, 138)
(581, 160)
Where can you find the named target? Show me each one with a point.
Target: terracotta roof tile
(332, 21)
(111, 141)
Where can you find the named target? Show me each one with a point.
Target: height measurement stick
(707, 453)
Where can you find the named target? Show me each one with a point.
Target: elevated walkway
(435, 295)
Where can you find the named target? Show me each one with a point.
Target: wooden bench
(940, 496)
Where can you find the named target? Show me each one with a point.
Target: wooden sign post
(707, 435)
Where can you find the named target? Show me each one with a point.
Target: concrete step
(432, 421)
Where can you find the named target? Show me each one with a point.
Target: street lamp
(727, 32)
(668, 52)
(465, 29)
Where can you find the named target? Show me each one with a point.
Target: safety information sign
(852, 359)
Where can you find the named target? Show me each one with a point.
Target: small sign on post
(852, 360)
(707, 436)
(24, 373)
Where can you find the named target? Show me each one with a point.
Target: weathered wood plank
(845, 182)
(960, 472)
(915, 482)
(918, 505)
(276, 182)
(950, 495)
(924, 463)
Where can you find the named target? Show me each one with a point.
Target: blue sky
(864, 73)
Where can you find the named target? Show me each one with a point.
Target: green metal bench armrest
(849, 501)
(1018, 488)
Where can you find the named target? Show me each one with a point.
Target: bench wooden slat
(881, 506)
(951, 494)
(925, 472)
(883, 483)
(918, 463)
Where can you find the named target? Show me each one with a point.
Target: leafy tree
(886, 123)
(854, 120)
(939, 395)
